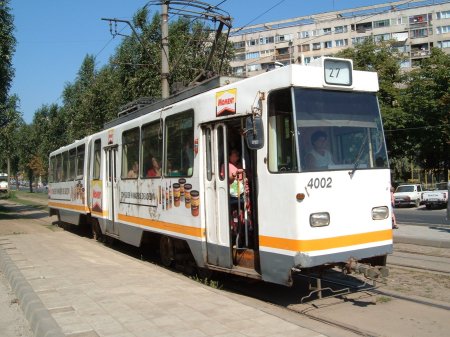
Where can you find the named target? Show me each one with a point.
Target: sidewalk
(433, 236)
(68, 286)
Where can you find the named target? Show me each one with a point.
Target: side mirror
(254, 132)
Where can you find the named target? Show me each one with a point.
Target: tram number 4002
(320, 183)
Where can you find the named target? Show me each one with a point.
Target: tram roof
(143, 106)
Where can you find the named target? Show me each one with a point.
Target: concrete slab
(87, 289)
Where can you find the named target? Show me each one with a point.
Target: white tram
(4, 183)
(160, 171)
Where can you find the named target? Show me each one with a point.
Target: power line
(419, 128)
(107, 43)
(278, 3)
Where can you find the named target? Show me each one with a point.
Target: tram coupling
(370, 272)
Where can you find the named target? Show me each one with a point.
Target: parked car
(408, 195)
(436, 198)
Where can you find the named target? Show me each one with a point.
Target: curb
(41, 321)
(422, 242)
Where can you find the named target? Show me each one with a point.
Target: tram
(4, 183)
(312, 186)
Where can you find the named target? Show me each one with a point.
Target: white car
(408, 195)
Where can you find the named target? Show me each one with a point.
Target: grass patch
(26, 194)
(208, 282)
(38, 200)
(383, 299)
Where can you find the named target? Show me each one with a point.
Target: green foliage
(7, 49)
(48, 121)
(80, 102)
(426, 101)
(8, 135)
(96, 96)
(26, 149)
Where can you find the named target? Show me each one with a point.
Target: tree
(133, 72)
(7, 49)
(26, 150)
(79, 103)
(427, 102)
(8, 131)
(48, 121)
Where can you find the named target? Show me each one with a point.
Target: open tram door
(231, 229)
(111, 189)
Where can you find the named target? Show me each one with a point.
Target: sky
(54, 36)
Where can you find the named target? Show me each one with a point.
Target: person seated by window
(155, 169)
(133, 173)
(319, 157)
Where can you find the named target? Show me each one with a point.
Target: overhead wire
(418, 128)
(260, 15)
(175, 63)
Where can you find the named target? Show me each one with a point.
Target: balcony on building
(421, 20)
(362, 27)
(420, 50)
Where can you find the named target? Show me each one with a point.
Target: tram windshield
(332, 130)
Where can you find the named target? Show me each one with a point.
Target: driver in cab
(319, 157)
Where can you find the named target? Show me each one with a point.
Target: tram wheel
(166, 251)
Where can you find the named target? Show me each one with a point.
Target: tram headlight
(380, 213)
(319, 219)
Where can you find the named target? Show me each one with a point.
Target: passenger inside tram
(239, 180)
(319, 156)
(133, 173)
(155, 168)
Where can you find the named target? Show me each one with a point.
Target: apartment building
(415, 26)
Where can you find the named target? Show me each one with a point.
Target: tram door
(216, 196)
(111, 189)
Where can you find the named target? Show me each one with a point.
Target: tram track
(416, 268)
(322, 310)
(340, 325)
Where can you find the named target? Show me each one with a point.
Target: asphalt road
(421, 216)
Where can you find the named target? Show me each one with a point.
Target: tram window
(208, 154)
(72, 156)
(130, 154)
(220, 151)
(59, 169)
(282, 142)
(51, 170)
(65, 166)
(152, 141)
(97, 159)
(179, 144)
(350, 124)
(80, 161)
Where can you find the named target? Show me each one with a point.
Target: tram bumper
(315, 259)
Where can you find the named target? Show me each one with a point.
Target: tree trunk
(30, 178)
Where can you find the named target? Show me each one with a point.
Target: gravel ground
(12, 321)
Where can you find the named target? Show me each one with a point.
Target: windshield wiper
(358, 157)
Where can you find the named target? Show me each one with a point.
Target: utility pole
(189, 8)
(165, 49)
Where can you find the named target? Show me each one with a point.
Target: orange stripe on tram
(187, 230)
(327, 243)
(82, 208)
